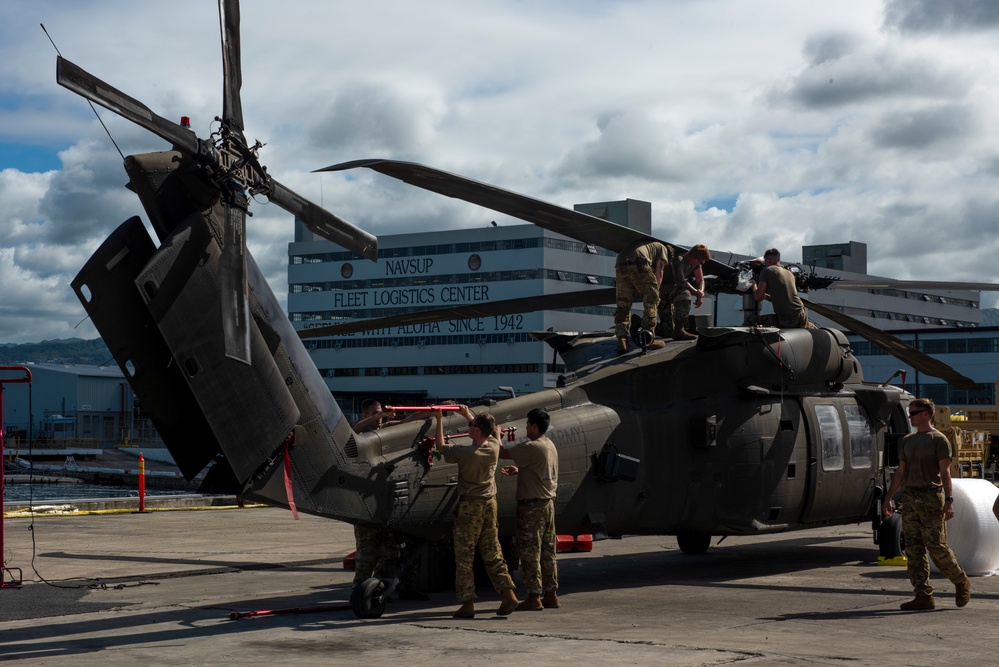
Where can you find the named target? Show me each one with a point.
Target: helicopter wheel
(693, 543)
(368, 599)
(891, 540)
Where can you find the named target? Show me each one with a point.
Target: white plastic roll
(973, 533)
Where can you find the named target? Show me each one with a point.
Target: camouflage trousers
(674, 309)
(635, 282)
(475, 527)
(536, 546)
(373, 545)
(925, 530)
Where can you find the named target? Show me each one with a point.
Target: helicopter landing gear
(693, 543)
(643, 338)
(369, 597)
(891, 541)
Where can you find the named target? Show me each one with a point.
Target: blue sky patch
(28, 158)
(726, 203)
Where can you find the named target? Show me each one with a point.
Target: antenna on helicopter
(92, 107)
(894, 375)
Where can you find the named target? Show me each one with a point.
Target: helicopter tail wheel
(891, 541)
(368, 598)
(643, 338)
(693, 543)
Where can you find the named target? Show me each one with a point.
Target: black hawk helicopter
(744, 431)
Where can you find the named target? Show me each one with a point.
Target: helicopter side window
(860, 437)
(831, 432)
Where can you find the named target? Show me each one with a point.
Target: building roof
(80, 370)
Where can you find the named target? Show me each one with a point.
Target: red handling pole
(142, 483)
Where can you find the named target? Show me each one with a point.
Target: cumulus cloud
(923, 16)
(364, 119)
(843, 71)
(786, 124)
(923, 128)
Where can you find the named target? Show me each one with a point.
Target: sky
(746, 124)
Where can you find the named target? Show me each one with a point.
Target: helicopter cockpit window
(860, 437)
(831, 432)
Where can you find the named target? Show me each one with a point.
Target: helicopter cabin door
(841, 459)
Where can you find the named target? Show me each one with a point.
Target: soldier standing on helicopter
(677, 291)
(638, 273)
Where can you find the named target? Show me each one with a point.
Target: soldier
(778, 284)
(638, 273)
(377, 543)
(537, 483)
(923, 474)
(475, 523)
(676, 291)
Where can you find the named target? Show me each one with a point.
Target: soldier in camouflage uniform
(475, 523)
(537, 483)
(676, 291)
(923, 474)
(372, 544)
(377, 544)
(638, 273)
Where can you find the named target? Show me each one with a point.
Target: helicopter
(743, 431)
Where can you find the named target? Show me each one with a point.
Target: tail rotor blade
(81, 82)
(232, 282)
(232, 75)
(324, 223)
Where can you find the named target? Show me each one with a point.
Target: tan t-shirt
(476, 467)
(783, 291)
(922, 452)
(537, 464)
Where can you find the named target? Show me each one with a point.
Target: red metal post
(142, 483)
(13, 583)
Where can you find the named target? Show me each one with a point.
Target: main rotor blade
(574, 224)
(232, 284)
(89, 86)
(886, 283)
(899, 349)
(232, 76)
(530, 304)
(324, 223)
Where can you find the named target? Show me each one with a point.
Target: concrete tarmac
(158, 588)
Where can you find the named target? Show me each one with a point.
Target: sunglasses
(913, 413)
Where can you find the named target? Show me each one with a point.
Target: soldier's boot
(622, 345)
(532, 603)
(550, 600)
(962, 592)
(466, 610)
(657, 344)
(509, 603)
(679, 333)
(918, 603)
